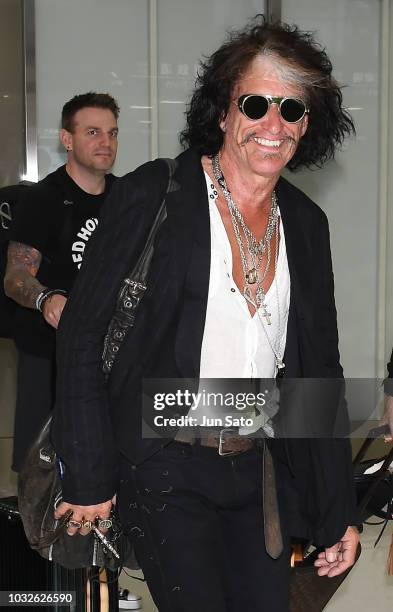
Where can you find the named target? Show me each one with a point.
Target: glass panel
(179, 53)
(92, 45)
(11, 92)
(347, 188)
(389, 228)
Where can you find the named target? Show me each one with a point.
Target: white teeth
(268, 143)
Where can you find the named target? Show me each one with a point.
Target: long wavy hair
(299, 60)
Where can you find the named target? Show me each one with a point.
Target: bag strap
(380, 474)
(139, 272)
(134, 285)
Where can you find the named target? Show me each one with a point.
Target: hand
(81, 514)
(340, 557)
(52, 309)
(387, 418)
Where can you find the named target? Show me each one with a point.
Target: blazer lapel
(190, 224)
(299, 255)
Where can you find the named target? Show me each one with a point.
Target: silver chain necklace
(256, 250)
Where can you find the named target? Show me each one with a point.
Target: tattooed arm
(21, 284)
(20, 281)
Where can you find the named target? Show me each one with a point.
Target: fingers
(86, 527)
(53, 308)
(103, 524)
(73, 525)
(340, 557)
(82, 519)
(332, 569)
(332, 553)
(62, 509)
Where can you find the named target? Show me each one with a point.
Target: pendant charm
(248, 296)
(266, 314)
(261, 297)
(252, 276)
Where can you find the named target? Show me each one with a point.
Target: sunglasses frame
(270, 100)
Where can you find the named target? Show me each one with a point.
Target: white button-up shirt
(235, 343)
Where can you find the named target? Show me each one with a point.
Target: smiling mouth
(274, 144)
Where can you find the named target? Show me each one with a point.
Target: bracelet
(45, 294)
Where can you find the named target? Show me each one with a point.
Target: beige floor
(367, 588)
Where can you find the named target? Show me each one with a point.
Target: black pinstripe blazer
(93, 422)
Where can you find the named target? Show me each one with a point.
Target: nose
(272, 121)
(106, 140)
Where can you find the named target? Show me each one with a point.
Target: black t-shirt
(57, 218)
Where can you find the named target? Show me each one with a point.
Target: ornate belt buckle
(221, 442)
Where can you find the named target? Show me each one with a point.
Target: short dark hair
(86, 100)
(308, 67)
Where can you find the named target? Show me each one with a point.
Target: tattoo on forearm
(20, 284)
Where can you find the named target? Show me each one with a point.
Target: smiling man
(240, 286)
(51, 227)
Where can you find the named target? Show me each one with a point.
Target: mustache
(251, 135)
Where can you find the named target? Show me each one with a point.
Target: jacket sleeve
(322, 483)
(81, 428)
(331, 457)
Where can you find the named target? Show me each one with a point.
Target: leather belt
(225, 441)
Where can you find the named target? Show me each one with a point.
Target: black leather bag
(39, 493)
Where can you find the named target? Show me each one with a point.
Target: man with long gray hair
(240, 286)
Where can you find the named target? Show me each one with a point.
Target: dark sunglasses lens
(255, 107)
(292, 110)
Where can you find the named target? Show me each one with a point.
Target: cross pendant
(266, 314)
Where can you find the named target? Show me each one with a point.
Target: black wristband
(45, 294)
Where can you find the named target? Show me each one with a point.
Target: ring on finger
(74, 524)
(87, 525)
(104, 524)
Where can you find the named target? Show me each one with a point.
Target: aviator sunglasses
(255, 106)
